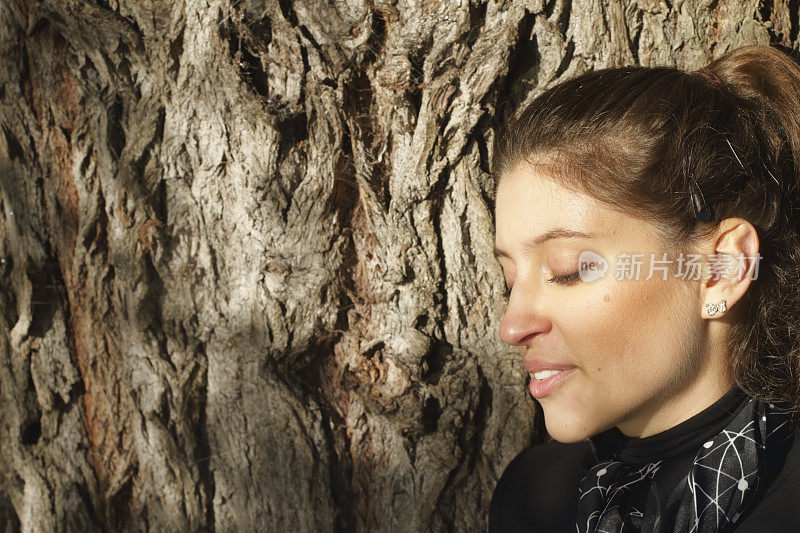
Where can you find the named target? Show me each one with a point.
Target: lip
(537, 365)
(541, 388)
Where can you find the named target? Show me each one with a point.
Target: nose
(524, 318)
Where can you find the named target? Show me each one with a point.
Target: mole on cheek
(606, 297)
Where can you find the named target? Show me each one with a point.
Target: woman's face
(634, 349)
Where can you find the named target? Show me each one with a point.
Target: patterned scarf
(721, 483)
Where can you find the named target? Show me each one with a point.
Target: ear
(730, 262)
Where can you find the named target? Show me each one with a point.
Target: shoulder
(539, 488)
(777, 505)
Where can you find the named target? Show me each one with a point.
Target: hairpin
(701, 210)
(746, 169)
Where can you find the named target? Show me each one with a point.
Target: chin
(568, 431)
(568, 437)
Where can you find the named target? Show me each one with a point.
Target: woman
(648, 228)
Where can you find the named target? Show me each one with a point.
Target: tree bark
(246, 251)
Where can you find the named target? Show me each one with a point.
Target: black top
(539, 489)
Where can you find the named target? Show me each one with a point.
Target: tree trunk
(246, 251)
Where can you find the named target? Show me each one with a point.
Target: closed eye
(566, 279)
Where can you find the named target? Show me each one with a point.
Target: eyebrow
(555, 233)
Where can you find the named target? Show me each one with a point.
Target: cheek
(596, 325)
(622, 327)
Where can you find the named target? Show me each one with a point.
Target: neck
(710, 385)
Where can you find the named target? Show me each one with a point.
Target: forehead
(529, 203)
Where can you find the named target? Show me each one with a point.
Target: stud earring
(714, 308)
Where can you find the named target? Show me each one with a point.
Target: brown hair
(634, 137)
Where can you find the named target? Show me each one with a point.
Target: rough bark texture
(246, 251)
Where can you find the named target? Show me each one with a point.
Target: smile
(544, 381)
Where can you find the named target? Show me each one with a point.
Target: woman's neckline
(678, 440)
